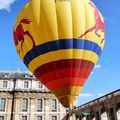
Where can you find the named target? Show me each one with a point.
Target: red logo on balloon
(20, 33)
(99, 24)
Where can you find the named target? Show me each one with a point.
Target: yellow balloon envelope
(60, 41)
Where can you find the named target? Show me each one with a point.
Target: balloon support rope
(69, 112)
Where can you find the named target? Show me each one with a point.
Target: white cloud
(98, 66)
(5, 4)
(86, 95)
(100, 94)
(91, 73)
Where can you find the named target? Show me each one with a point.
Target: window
(39, 117)
(54, 117)
(24, 117)
(26, 75)
(1, 117)
(54, 105)
(26, 84)
(4, 84)
(24, 104)
(2, 104)
(39, 105)
(5, 75)
(40, 85)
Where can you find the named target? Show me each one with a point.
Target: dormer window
(40, 85)
(5, 75)
(5, 84)
(26, 84)
(25, 75)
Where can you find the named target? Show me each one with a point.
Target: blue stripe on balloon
(59, 45)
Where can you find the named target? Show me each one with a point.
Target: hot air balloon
(60, 41)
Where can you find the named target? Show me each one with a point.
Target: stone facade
(104, 108)
(23, 97)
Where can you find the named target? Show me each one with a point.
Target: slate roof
(16, 74)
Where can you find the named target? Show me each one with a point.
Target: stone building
(23, 97)
(106, 107)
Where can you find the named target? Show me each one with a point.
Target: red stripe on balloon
(62, 64)
(65, 74)
(55, 84)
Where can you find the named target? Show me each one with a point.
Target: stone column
(8, 107)
(79, 117)
(87, 118)
(112, 114)
(17, 108)
(115, 112)
(47, 108)
(90, 117)
(32, 108)
(98, 115)
(108, 114)
(99, 112)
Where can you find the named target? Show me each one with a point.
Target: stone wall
(104, 108)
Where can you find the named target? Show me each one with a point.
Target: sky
(105, 77)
